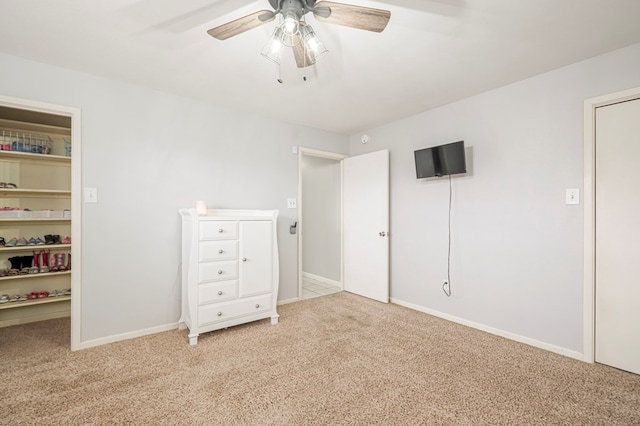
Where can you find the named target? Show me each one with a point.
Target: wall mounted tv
(440, 160)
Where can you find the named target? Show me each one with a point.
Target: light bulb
(290, 24)
(272, 49)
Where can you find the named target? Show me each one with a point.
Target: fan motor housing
(276, 3)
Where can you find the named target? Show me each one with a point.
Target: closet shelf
(44, 158)
(35, 221)
(43, 275)
(52, 247)
(10, 305)
(34, 193)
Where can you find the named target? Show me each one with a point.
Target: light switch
(292, 203)
(91, 195)
(573, 196)
(294, 149)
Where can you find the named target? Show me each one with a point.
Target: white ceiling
(432, 52)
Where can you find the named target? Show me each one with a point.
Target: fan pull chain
(279, 74)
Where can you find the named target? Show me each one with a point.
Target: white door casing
(366, 225)
(617, 236)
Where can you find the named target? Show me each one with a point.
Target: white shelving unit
(43, 183)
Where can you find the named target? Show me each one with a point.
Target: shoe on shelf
(67, 240)
(12, 242)
(56, 239)
(31, 241)
(48, 239)
(21, 242)
(2, 242)
(4, 298)
(53, 261)
(61, 266)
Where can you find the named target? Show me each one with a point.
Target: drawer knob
(220, 251)
(219, 292)
(257, 305)
(219, 271)
(244, 259)
(220, 230)
(219, 314)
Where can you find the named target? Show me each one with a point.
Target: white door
(366, 225)
(256, 257)
(617, 251)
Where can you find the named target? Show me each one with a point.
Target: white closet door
(617, 249)
(366, 225)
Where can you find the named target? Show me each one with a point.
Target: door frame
(590, 105)
(330, 156)
(76, 201)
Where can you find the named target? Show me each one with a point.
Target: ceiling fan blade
(362, 18)
(241, 25)
(303, 58)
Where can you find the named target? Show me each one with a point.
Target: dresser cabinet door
(256, 257)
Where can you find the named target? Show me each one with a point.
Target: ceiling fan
(294, 32)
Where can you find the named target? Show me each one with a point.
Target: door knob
(382, 234)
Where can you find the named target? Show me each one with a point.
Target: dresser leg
(274, 319)
(193, 339)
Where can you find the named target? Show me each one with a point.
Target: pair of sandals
(8, 185)
(5, 298)
(38, 294)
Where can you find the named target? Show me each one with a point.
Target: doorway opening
(319, 223)
(590, 241)
(40, 165)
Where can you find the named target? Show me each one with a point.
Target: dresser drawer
(218, 230)
(217, 292)
(218, 250)
(217, 271)
(219, 312)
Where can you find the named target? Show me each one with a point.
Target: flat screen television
(440, 160)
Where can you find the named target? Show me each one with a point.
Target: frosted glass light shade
(273, 49)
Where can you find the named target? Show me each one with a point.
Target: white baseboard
(322, 279)
(284, 302)
(508, 335)
(127, 336)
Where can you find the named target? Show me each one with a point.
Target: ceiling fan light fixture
(273, 49)
(291, 24)
(312, 44)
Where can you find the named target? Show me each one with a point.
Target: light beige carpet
(334, 360)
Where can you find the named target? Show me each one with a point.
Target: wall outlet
(292, 203)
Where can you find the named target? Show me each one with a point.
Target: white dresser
(229, 269)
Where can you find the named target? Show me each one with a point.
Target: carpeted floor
(334, 360)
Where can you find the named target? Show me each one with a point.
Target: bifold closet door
(617, 326)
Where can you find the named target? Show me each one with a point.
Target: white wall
(321, 213)
(150, 153)
(517, 255)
